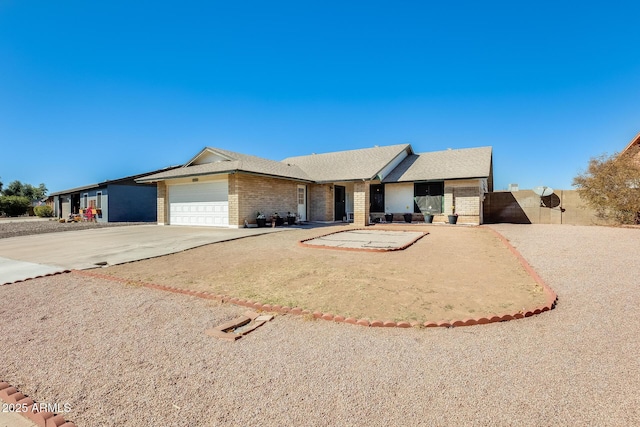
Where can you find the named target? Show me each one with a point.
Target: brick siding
(162, 201)
(320, 202)
(250, 194)
(361, 203)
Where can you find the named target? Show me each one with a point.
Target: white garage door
(204, 203)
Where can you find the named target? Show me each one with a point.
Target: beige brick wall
(161, 205)
(250, 194)
(361, 203)
(465, 196)
(233, 201)
(320, 202)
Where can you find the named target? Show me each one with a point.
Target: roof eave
(398, 181)
(189, 175)
(225, 172)
(634, 141)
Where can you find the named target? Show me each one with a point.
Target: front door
(377, 198)
(302, 202)
(75, 203)
(340, 207)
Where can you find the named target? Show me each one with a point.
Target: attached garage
(202, 203)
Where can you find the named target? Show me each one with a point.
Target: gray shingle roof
(238, 162)
(137, 177)
(438, 165)
(348, 165)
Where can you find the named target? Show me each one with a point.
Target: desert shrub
(43, 211)
(14, 205)
(611, 186)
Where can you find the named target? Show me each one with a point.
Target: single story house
(227, 189)
(118, 200)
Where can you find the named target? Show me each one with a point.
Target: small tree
(611, 186)
(17, 188)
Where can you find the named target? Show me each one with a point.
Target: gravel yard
(131, 356)
(13, 228)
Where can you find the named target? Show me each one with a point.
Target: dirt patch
(453, 273)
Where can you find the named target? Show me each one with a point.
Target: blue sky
(91, 91)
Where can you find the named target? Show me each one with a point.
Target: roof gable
(350, 165)
(208, 155)
(211, 161)
(448, 164)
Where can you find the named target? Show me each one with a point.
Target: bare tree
(611, 186)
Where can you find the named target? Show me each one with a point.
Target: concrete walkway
(36, 255)
(12, 271)
(366, 239)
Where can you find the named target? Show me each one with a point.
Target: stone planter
(408, 217)
(428, 218)
(388, 217)
(453, 219)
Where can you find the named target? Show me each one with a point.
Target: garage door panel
(199, 204)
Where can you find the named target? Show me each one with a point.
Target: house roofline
(406, 147)
(436, 179)
(111, 182)
(209, 149)
(225, 172)
(635, 140)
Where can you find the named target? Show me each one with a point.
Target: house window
(85, 201)
(428, 197)
(376, 194)
(99, 200)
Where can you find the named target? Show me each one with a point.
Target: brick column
(361, 204)
(233, 199)
(161, 204)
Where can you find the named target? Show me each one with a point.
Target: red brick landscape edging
(550, 296)
(12, 396)
(338, 248)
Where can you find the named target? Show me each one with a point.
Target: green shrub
(14, 205)
(43, 211)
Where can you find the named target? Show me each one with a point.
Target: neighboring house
(118, 200)
(633, 145)
(227, 189)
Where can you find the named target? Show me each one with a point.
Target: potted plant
(291, 218)
(453, 218)
(408, 217)
(261, 220)
(388, 217)
(276, 220)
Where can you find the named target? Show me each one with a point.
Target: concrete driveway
(42, 254)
